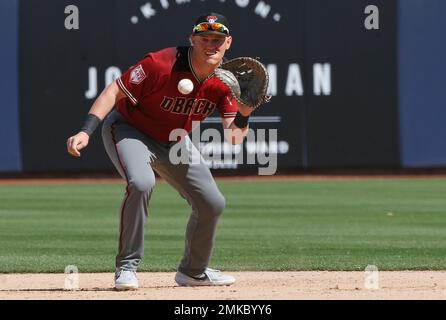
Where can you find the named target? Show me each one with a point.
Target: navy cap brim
(211, 32)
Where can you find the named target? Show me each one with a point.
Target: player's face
(211, 48)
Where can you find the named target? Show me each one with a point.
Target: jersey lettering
(208, 108)
(200, 105)
(178, 104)
(188, 106)
(167, 103)
(181, 105)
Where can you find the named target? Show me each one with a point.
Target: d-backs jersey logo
(186, 106)
(137, 75)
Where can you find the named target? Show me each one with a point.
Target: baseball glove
(248, 80)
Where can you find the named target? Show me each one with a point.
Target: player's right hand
(77, 143)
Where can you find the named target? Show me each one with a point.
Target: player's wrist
(90, 124)
(83, 133)
(241, 121)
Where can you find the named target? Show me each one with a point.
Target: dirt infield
(302, 285)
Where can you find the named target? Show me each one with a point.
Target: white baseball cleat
(210, 277)
(126, 280)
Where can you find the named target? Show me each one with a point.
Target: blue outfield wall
(10, 152)
(422, 82)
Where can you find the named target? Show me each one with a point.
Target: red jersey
(155, 106)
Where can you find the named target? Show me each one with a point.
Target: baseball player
(140, 109)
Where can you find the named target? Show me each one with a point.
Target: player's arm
(98, 111)
(106, 101)
(236, 129)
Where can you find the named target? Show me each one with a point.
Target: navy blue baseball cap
(211, 23)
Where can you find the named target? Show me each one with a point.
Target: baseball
(185, 86)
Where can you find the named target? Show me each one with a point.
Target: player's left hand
(77, 143)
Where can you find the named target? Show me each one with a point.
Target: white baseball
(185, 86)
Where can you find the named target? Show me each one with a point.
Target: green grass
(395, 224)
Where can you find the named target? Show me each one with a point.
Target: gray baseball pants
(136, 156)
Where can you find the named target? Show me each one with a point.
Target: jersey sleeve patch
(137, 75)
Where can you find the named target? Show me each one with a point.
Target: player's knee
(142, 183)
(217, 205)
